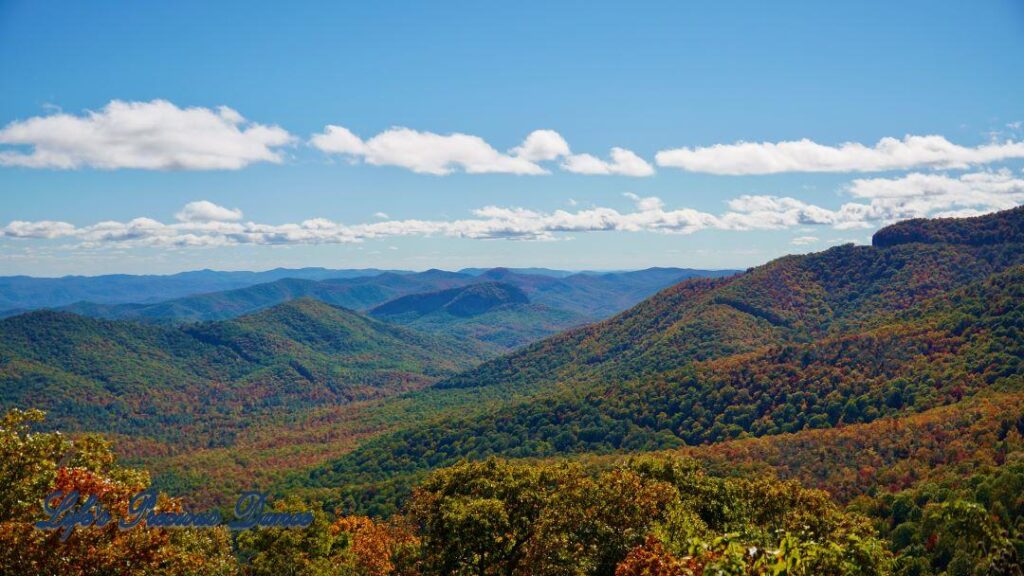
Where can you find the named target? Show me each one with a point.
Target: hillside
(804, 344)
(942, 352)
(792, 299)
(844, 336)
(463, 302)
(139, 379)
(354, 293)
(492, 312)
(26, 293)
(977, 231)
(597, 295)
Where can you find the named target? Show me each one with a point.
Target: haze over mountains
(22, 293)
(548, 302)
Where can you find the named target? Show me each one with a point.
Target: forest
(641, 515)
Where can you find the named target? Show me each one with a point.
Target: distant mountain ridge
(355, 293)
(465, 301)
(556, 302)
(532, 271)
(25, 293)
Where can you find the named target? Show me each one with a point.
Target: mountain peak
(1002, 227)
(438, 273)
(497, 273)
(304, 305)
(463, 301)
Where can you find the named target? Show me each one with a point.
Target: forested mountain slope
(844, 336)
(27, 293)
(471, 300)
(597, 295)
(792, 299)
(354, 293)
(492, 312)
(200, 383)
(979, 230)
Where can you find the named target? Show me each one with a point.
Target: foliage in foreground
(646, 516)
(34, 464)
(498, 517)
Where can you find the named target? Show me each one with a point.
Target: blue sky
(644, 77)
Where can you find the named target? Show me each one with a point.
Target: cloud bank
(442, 154)
(154, 135)
(424, 152)
(876, 201)
(159, 135)
(807, 156)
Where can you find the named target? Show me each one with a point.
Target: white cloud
(489, 222)
(381, 215)
(440, 154)
(645, 204)
(40, 229)
(874, 202)
(542, 145)
(624, 162)
(885, 200)
(154, 135)
(424, 152)
(807, 156)
(918, 195)
(804, 240)
(338, 140)
(777, 212)
(206, 211)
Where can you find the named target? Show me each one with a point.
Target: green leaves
(498, 517)
(28, 463)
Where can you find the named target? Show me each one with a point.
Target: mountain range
(550, 302)
(23, 293)
(277, 354)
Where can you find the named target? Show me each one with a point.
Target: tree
(32, 465)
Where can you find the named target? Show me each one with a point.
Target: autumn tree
(32, 465)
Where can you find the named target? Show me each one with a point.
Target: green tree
(32, 465)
